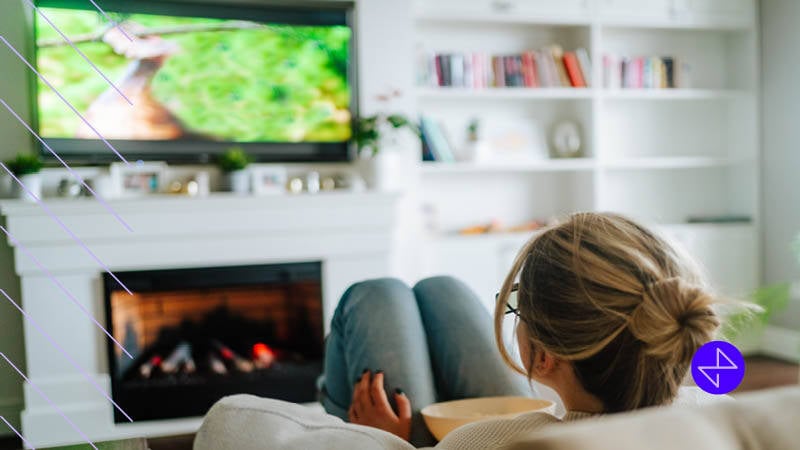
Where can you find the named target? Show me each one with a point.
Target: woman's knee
(439, 284)
(378, 290)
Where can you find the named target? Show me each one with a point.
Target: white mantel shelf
(351, 234)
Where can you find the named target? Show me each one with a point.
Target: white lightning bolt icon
(717, 368)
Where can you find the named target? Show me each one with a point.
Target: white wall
(13, 139)
(780, 38)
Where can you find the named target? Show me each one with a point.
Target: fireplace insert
(199, 334)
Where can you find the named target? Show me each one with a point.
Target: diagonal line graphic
(19, 435)
(65, 228)
(44, 80)
(74, 174)
(66, 355)
(63, 289)
(44, 396)
(85, 58)
(122, 30)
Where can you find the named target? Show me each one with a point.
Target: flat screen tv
(275, 80)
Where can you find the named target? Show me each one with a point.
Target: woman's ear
(544, 363)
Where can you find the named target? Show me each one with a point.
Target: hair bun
(674, 319)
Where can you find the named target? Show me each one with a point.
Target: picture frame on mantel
(268, 179)
(137, 179)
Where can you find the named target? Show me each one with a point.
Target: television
(186, 80)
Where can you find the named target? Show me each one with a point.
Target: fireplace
(199, 334)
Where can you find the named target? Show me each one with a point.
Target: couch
(760, 420)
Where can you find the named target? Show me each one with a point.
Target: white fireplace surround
(351, 234)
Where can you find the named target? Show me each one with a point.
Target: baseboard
(782, 343)
(10, 409)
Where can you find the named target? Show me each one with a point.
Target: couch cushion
(246, 422)
(760, 420)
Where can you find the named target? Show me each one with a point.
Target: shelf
(672, 94)
(548, 165)
(518, 93)
(671, 162)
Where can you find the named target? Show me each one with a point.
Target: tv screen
(200, 77)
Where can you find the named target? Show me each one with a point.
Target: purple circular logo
(718, 367)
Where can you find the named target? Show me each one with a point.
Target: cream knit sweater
(493, 433)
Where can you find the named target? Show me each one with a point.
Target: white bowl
(442, 418)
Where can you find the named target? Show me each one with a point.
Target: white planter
(239, 181)
(382, 172)
(33, 184)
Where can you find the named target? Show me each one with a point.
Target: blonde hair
(617, 301)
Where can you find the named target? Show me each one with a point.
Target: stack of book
(653, 72)
(436, 145)
(548, 67)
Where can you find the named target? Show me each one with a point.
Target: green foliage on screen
(276, 83)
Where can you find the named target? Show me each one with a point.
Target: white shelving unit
(658, 155)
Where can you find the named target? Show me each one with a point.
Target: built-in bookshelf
(662, 155)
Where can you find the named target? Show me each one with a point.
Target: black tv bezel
(95, 152)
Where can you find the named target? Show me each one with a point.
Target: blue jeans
(435, 342)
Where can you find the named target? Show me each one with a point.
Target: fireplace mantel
(350, 233)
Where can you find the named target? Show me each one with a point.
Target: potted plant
(379, 147)
(26, 167)
(234, 163)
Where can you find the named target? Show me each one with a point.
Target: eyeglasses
(511, 303)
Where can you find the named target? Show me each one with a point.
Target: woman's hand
(371, 407)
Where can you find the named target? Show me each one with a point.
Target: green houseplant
(371, 132)
(233, 164)
(767, 300)
(26, 167)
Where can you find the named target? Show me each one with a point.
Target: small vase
(382, 171)
(33, 184)
(239, 182)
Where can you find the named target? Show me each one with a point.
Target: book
(542, 69)
(573, 69)
(499, 71)
(457, 70)
(557, 54)
(438, 144)
(529, 70)
(585, 64)
(669, 69)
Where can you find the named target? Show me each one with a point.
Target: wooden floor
(762, 373)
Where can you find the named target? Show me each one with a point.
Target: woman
(608, 315)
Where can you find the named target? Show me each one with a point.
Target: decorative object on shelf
(102, 185)
(69, 187)
(328, 183)
(512, 140)
(234, 164)
(566, 140)
(26, 167)
(268, 180)
(295, 185)
(495, 226)
(472, 145)
(203, 183)
(377, 139)
(312, 182)
(137, 179)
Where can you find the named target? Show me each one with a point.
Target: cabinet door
(557, 9)
(722, 10)
(636, 9)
